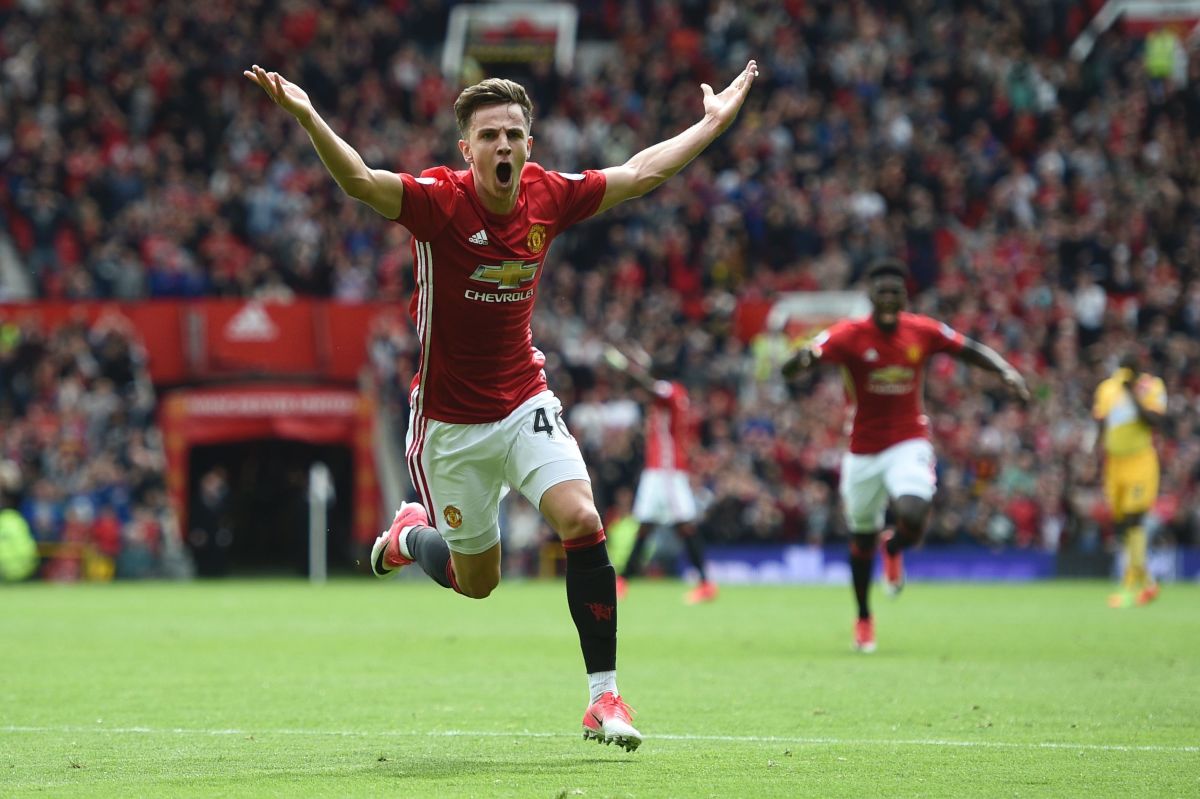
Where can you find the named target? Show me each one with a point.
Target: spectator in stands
(973, 124)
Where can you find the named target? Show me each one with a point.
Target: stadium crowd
(1047, 206)
(82, 456)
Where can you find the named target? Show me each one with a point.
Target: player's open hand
(615, 358)
(724, 107)
(287, 95)
(802, 361)
(1016, 385)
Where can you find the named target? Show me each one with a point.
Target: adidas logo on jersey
(479, 238)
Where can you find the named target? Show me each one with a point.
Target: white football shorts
(462, 471)
(664, 496)
(869, 482)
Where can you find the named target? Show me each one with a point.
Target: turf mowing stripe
(661, 737)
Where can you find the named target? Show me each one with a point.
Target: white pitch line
(776, 739)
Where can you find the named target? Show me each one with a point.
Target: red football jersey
(885, 375)
(668, 428)
(477, 275)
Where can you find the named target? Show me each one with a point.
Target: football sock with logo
(429, 549)
(592, 600)
(695, 549)
(862, 561)
(633, 564)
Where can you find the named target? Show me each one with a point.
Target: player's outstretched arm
(378, 188)
(651, 167)
(803, 360)
(984, 357)
(630, 366)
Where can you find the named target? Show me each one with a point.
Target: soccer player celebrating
(664, 493)
(483, 418)
(1129, 404)
(890, 456)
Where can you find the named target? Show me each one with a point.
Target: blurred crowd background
(1047, 206)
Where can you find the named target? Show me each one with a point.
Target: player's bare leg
(1137, 585)
(412, 539)
(592, 600)
(706, 591)
(476, 576)
(1142, 582)
(912, 514)
(633, 565)
(862, 562)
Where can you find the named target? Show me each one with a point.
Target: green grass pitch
(356, 688)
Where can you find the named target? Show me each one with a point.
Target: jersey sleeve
(429, 202)
(1102, 402)
(940, 337)
(1154, 396)
(831, 345)
(577, 195)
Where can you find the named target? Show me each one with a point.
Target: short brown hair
(493, 91)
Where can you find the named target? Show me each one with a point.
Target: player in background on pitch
(890, 458)
(483, 418)
(664, 493)
(1128, 406)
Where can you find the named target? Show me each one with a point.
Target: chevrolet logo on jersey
(507, 275)
(891, 374)
(891, 380)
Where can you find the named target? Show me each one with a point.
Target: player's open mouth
(504, 173)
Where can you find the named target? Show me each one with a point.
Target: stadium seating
(1046, 207)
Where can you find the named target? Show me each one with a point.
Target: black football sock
(893, 544)
(592, 600)
(633, 565)
(429, 549)
(695, 549)
(862, 562)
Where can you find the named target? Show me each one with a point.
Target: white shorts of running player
(664, 496)
(869, 482)
(462, 471)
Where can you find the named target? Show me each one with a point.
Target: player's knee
(478, 586)
(579, 521)
(911, 514)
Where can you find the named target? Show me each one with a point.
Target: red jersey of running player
(668, 427)
(885, 375)
(477, 275)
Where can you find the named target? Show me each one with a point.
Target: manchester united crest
(914, 354)
(453, 516)
(536, 239)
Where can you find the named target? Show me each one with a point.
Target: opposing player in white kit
(482, 415)
(664, 492)
(890, 458)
